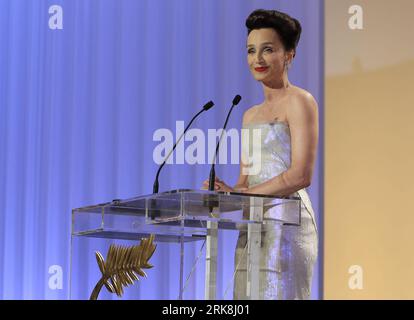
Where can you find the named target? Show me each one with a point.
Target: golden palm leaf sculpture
(123, 266)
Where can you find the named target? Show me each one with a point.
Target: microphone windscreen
(208, 105)
(236, 100)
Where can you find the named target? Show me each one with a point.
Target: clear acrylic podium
(181, 217)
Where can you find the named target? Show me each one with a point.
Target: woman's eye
(268, 50)
(250, 51)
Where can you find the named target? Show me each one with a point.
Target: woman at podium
(288, 122)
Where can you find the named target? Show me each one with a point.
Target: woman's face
(266, 55)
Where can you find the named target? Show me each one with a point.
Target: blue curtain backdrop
(79, 107)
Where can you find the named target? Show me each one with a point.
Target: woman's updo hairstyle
(288, 28)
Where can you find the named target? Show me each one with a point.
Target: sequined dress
(288, 253)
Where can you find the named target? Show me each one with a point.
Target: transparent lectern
(180, 217)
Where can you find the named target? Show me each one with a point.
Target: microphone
(211, 200)
(206, 107)
(212, 177)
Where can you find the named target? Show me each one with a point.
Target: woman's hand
(218, 186)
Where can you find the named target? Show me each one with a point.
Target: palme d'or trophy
(123, 266)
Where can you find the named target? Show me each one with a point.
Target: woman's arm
(302, 116)
(242, 183)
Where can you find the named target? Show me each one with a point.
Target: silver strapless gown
(288, 253)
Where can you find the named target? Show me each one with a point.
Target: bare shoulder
(303, 97)
(302, 104)
(249, 114)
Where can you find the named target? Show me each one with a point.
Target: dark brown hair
(288, 28)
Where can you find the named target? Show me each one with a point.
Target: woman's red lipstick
(261, 69)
